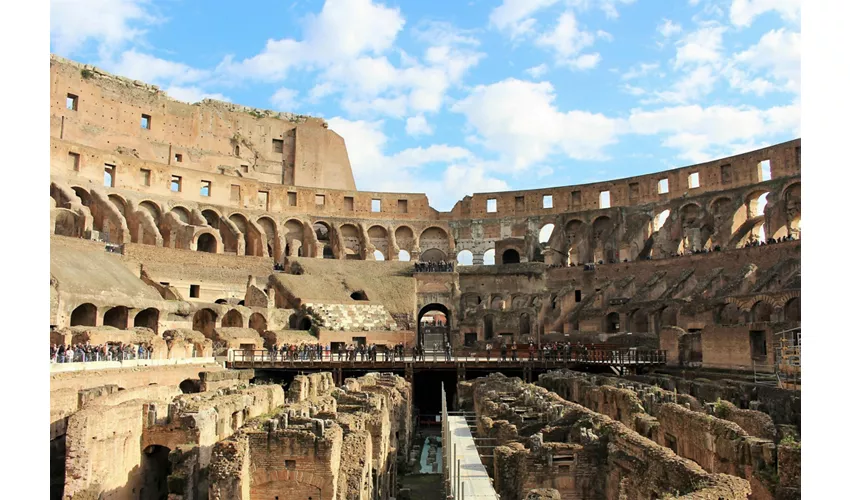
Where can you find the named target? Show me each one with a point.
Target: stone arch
(116, 317)
(761, 312)
(204, 321)
(510, 256)
(83, 195)
(612, 322)
(212, 217)
(639, 321)
(65, 223)
(153, 209)
(603, 228)
(434, 306)
(269, 227)
(249, 234)
(324, 240)
(464, 258)
(524, 324)
(432, 255)
(182, 214)
(379, 237)
(148, 318)
(120, 204)
(379, 256)
(294, 238)
(405, 238)
(233, 318)
(497, 303)
(545, 233)
(190, 386)
(155, 469)
(404, 256)
(489, 257)
(791, 196)
(350, 236)
(434, 237)
(792, 309)
(574, 235)
(728, 314)
(206, 242)
(258, 322)
(84, 315)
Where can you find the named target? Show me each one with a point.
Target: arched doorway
(433, 324)
(204, 322)
(258, 322)
(612, 322)
(488, 327)
(155, 471)
(233, 318)
(149, 318)
(761, 312)
(639, 322)
(510, 256)
(207, 243)
(524, 324)
(116, 317)
(84, 315)
(432, 255)
(792, 309)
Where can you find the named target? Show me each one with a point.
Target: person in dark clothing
(504, 352)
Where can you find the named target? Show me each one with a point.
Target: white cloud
(604, 35)
(694, 85)
(151, 69)
(640, 70)
(568, 40)
(609, 7)
(417, 125)
(777, 53)
(632, 90)
(742, 12)
(193, 94)
(538, 71)
(669, 28)
(701, 134)
(518, 120)
(514, 16)
(284, 99)
(110, 23)
(701, 46)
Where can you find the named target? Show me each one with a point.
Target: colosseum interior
(631, 339)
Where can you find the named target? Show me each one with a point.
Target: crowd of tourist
(347, 352)
(434, 267)
(770, 241)
(111, 351)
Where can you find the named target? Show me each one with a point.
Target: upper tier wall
(93, 108)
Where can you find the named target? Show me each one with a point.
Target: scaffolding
(785, 370)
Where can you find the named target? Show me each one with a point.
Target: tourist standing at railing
(448, 349)
(488, 348)
(513, 352)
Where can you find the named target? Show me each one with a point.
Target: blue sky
(453, 97)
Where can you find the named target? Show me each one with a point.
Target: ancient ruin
(230, 318)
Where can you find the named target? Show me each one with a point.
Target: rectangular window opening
(263, 200)
(176, 183)
(764, 170)
(758, 344)
(578, 295)
(663, 186)
(491, 206)
(320, 200)
(235, 192)
(194, 291)
(634, 190)
(178, 158)
(402, 206)
(575, 198)
(348, 203)
(244, 168)
(206, 187)
(146, 176)
(109, 175)
(605, 199)
(693, 180)
(376, 205)
(289, 464)
(277, 145)
(146, 122)
(519, 203)
(75, 161)
(725, 174)
(547, 201)
(292, 199)
(71, 102)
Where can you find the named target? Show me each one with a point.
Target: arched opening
(84, 315)
(212, 218)
(221, 301)
(359, 295)
(119, 203)
(488, 327)
(233, 318)
(612, 322)
(149, 318)
(258, 322)
(378, 237)
(464, 258)
(433, 324)
(155, 471)
(204, 321)
(83, 195)
(378, 255)
(116, 317)
(510, 256)
(66, 223)
(327, 253)
(659, 220)
(792, 309)
(207, 243)
(497, 303)
(152, 209)
(761, 203)
(490, 257)
(404, 239)
(294, 238)
(524, 324)
(182, 214)
(432, 255)
(761, 312)
(404, 256)
(323, 239)
(270, 228)
(350, 236)
(190, 386)
(639, 322)
(305, 323)
(793, 211)
(545, 234)
(249, 235)
(728, 314)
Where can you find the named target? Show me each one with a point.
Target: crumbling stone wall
(526, 417)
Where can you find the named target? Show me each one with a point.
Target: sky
(454, 97)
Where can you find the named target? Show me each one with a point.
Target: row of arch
(117, 317)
